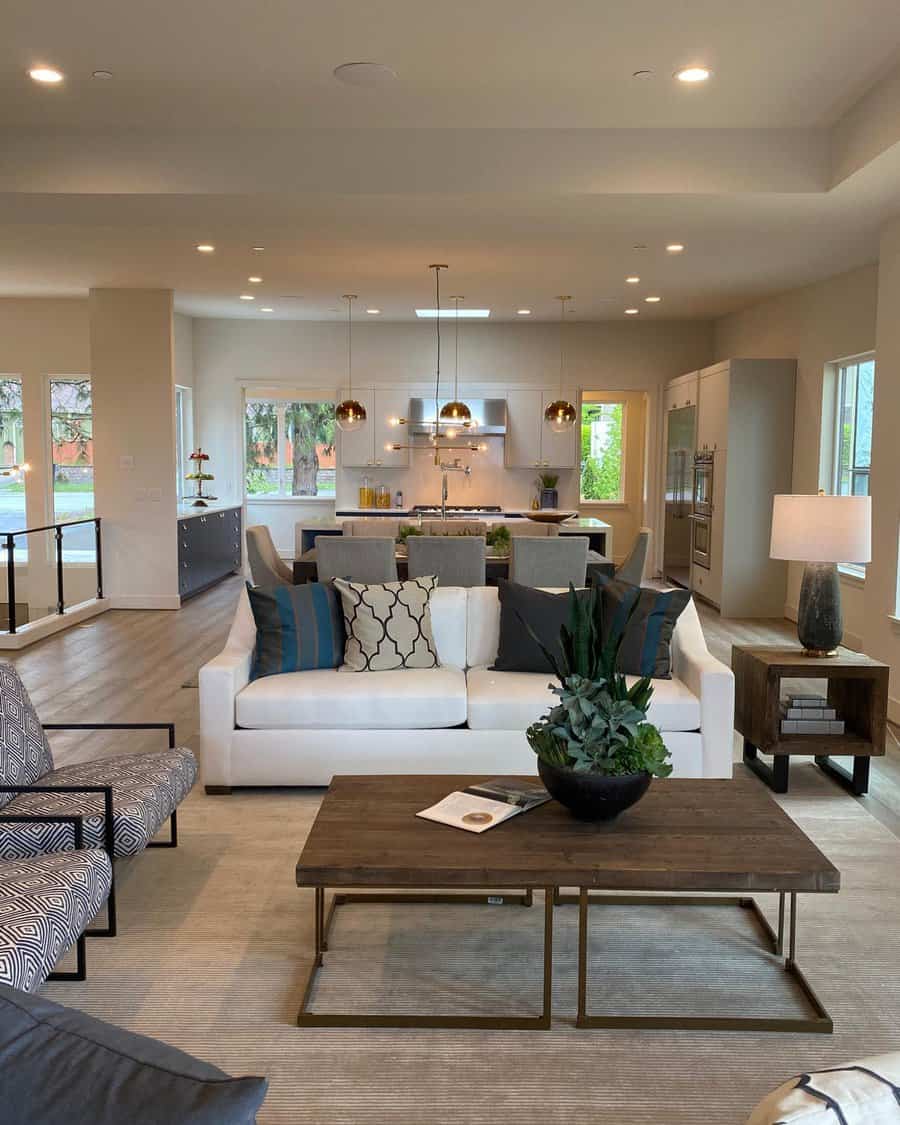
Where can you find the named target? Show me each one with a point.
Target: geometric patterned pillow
(24, 750)
(387, 625)
(866, 1092)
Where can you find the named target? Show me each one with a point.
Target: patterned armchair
(122, 801)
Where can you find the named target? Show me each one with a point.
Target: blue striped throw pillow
(645, 647)
(298, 628)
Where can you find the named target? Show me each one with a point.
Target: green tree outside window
(601, 450)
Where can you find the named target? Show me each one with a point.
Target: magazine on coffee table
(487, 804)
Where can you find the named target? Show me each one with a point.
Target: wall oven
(701, 538)
(704, 464)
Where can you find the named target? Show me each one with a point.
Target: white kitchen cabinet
(681, 392)
(712, 414)
(530, 443)
(365, 448)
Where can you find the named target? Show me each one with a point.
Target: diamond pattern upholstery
(24, 750)
(45, 905)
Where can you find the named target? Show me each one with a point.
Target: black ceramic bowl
(593, 796)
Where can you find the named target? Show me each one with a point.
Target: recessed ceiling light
(632, 312)
(675, 247)
(266, 308)
(257, 249)
(373, 312)
(645, 73)
(365, 74)
(48, 75)
(639, 246)
(255, 280)
(205, 248)
(247, 297)
(523, 312)
(450, 314)
(693, 74)
(652, 300)
(104, 74)
(633, 280)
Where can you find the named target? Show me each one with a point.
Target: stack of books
(809, 714)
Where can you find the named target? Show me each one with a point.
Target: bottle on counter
(398, 499)
(366, 494)
(382, 496)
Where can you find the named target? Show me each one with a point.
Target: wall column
(133, 382)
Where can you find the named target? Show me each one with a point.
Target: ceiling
(515, 145)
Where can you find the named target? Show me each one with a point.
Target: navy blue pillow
(298, 628)
(646, 646)
(59, 1066)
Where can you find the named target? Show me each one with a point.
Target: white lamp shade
(826, 529)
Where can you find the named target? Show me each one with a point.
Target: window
(72, 458)
(289, 448)
(184, 437)
(602, 451)
(853, 427)
(12, 486)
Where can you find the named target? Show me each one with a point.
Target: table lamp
(821, 531)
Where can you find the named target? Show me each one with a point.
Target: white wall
(817, 324)
(613, 356)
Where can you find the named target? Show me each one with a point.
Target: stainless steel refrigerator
(680, 444)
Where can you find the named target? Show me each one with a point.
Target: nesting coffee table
(687, 843)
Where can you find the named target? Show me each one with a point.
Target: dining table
(496, 566)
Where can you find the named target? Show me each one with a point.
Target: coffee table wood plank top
(685, 835)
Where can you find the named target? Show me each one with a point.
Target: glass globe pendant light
(560, 414)
(456, 413)
(350, 412)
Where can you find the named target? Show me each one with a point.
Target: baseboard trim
(43, 627)
(851, 640)
(151, 601)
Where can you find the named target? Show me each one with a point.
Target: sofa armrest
(221, 680)
(713, 684)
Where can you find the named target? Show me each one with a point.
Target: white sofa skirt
(313, 757)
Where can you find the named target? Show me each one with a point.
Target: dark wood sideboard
(209, 549)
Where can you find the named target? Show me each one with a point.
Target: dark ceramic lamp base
(820, 622)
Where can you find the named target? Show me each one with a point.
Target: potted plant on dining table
(597, 753)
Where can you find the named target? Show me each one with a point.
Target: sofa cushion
(298, 628)
(514, 700)
(45, 904)
(59, 1066)
(401, 699)
(387, 624)
(866, 1092)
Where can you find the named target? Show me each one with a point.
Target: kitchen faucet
(455, 466)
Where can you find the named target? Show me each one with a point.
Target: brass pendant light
(350, 413)
(560, 414)
(456, 413)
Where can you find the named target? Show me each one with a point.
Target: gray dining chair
(358, 558)
(555, 561)
(457, 560)
(378, 527)
(632, 569)
(266, 565)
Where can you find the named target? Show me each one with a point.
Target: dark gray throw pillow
(298, 628)
(646, 646)
(545, 613)
(59, 1066)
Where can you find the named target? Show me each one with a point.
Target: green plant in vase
(597, 753)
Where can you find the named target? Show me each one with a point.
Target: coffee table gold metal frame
(323, 922)
(819, 1022)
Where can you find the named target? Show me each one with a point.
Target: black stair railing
(57, 529)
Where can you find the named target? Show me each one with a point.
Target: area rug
(215, 942)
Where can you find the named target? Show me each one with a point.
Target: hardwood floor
(137, 666)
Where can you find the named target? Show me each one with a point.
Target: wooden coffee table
(686, 838)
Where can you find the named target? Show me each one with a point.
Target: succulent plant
(599, 723)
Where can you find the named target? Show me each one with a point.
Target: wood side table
(857, 689)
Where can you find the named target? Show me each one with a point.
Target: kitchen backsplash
(489, 483)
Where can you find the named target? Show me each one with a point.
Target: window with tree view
(72, 443)
(853, 436)
(12, 486)
(289, 448)
(602, 432)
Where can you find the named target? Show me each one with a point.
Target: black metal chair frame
(109, 845)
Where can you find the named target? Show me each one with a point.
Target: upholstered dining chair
(555, 561)
(123, 801)
(457, 560)
(361, 559)
(266, 565)
(632, 569)
(377, 527)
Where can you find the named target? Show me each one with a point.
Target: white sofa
(301, 728)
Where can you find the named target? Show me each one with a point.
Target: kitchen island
(598, 532)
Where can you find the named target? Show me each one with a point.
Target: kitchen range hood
(490, 414)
